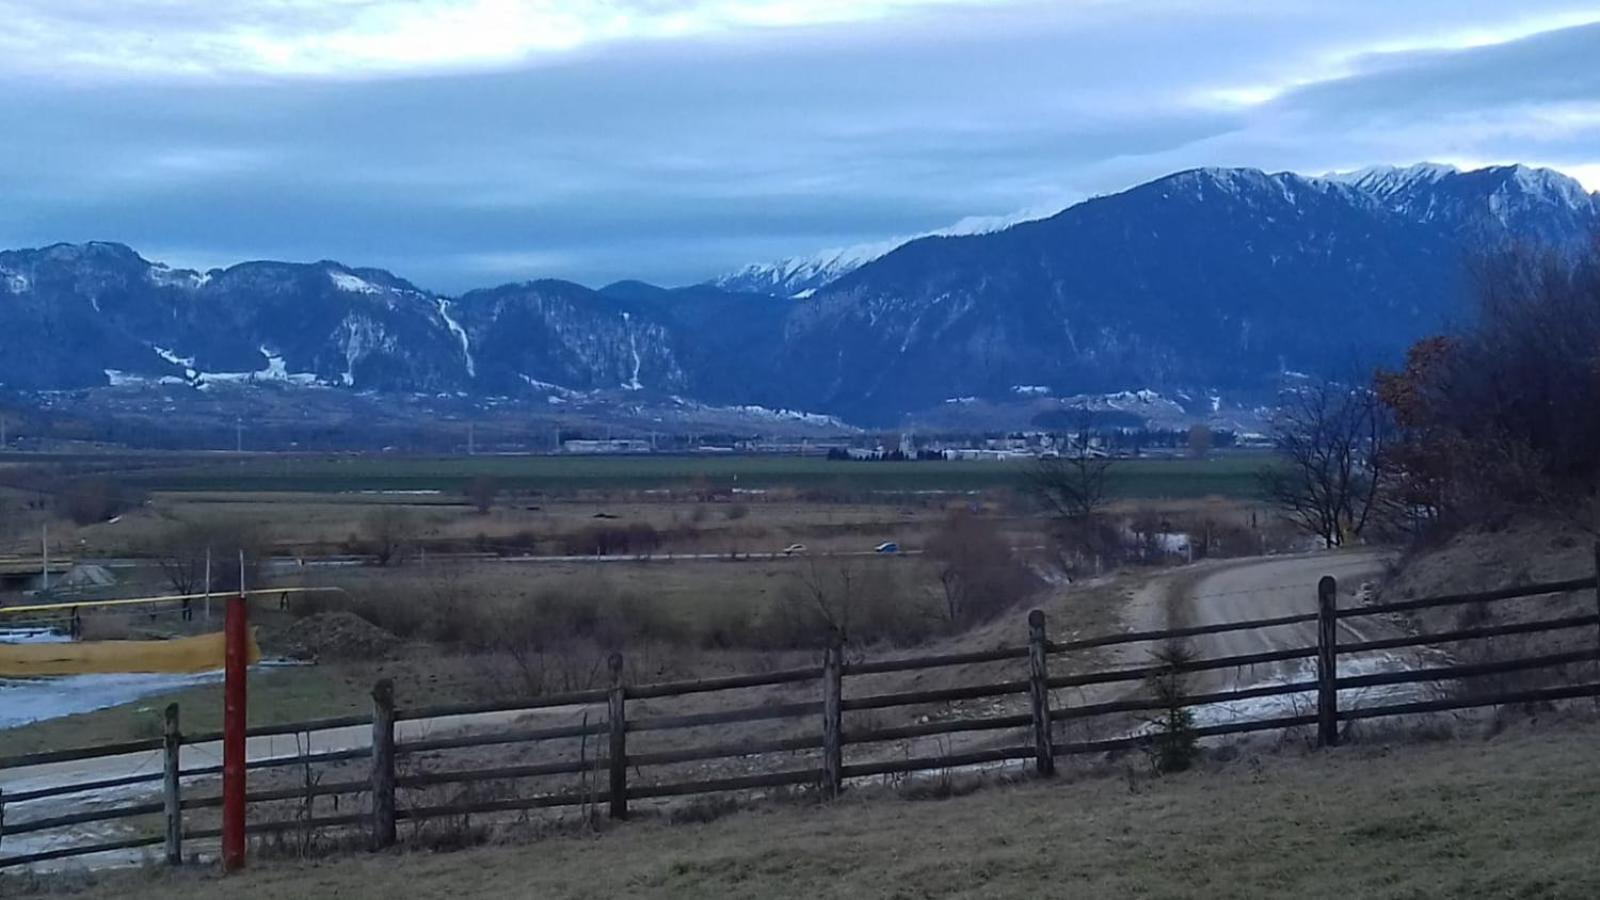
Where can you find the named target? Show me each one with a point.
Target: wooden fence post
(832, 721)
(1327, 662)
(171, 749)
(383, 834)
(1039, 692)
(617, 714)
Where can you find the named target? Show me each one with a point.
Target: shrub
(89, 500)
(979, 574)
(1174, 747)
(638, 538)
(840, 600)
(390, 531)
(481, 492)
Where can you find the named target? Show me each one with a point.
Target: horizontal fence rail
(1023, 716)
(1511, 593)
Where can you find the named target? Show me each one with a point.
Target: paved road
(280, 566)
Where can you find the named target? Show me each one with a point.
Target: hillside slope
(1510, 816)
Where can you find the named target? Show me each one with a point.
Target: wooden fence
(1034, 728)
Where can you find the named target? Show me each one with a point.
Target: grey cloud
(674, 160)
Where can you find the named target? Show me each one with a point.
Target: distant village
(1197, 440)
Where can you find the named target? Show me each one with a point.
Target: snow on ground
(1305, 670)
(119, 378)
(276, 370)
(790, 415)
(32, 636)
(33, 700)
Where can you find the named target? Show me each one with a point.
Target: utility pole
(238, 435)
(208, 584)
(472, 448)
(44, 553)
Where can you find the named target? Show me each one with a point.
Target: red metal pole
(237, 656)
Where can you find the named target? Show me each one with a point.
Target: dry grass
(1515, 815)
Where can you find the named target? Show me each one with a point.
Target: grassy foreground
(1514, 816)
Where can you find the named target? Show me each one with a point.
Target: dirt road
(1268, 587)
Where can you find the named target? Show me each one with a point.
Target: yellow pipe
(201, 653)
(49, 607)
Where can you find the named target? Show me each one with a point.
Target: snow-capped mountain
(1209, 277)
(1205, 280)
(82, 315)
(799, 277)
(1406, 189)
(1535, 204)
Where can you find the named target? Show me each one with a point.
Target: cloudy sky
(470, 142)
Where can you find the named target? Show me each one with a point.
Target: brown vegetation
(1499, 416)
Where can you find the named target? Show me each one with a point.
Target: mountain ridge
(1204, 280)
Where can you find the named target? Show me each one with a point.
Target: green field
(1229, 476)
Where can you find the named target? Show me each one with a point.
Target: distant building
(611, 445)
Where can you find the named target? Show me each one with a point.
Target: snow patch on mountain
(1385, 181)
(799, 277)
(16, 282)
(119, 378)
(362, 337)
(186, 363)
(345, 281)
(461, 335)
(277, 370)
(632, 384)
(764, 413)
(165, 276)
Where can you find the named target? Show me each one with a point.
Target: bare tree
(1072, 484)
(186, 551)
(1330, 439)
(830, 594)
(390, 529)
(979, 574)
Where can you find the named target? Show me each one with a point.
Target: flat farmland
(1233, 475)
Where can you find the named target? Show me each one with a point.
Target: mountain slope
(1217, 277)
(78, 316)
(1203, 281)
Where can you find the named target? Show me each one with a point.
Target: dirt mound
(335, 636)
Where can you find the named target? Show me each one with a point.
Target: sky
(467, 143)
